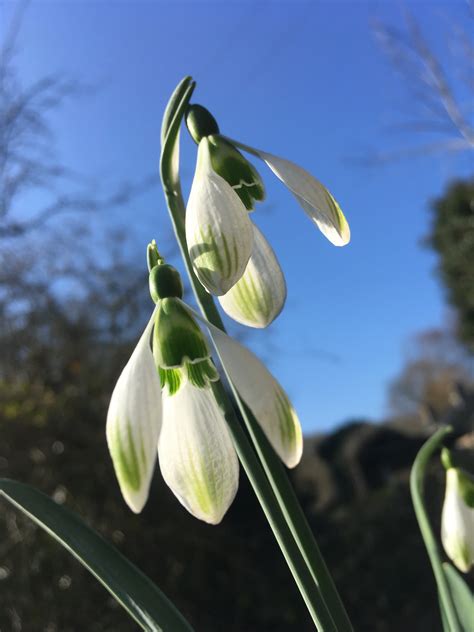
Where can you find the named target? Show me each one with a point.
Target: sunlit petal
(197, 457)
(258, 297)
(316, 200)
(262, 393)
(457, 524)
(218, 230)
(133, 423)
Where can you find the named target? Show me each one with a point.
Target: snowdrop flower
(165, 398)
(259, 295)
(457, 519)
(240, 267)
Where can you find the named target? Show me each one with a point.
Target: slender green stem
(417, 478)
(308, 587)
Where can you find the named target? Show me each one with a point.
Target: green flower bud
(231, 165)
(200, 122)
(165, 282)
(177, 339)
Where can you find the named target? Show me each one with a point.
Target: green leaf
(150, 608)
(462, 597)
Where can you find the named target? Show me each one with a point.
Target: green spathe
(177, 339)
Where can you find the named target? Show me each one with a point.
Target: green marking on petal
(176, 337)
(201, 373)
(125, 459)
(171, 378)
(286, 420)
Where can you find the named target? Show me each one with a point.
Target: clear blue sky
(304, 80)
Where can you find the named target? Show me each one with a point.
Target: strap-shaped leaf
(462, 597)
(150, 608)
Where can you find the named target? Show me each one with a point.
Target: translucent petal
(133, 423)
(262, 393)
(196, 454)
(218, 230)
(457, 525)
(258, 297)
(316, 200)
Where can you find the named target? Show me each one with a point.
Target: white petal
(197, 457)
(258, 297)
(261, 392)
(316, 200)
(457, 525)
(218, 229)
(133, 423)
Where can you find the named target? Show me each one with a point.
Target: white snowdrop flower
(259, 295)
(133, 423)
(457, 519)
(219, 233)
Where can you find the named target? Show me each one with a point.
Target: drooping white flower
(133, 423)
(457, 521)
(197, 457)
(219, 233)
(258, 297)
(312, 195)
(263, 395)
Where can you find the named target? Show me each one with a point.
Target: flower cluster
(230, 256)
(165, 404)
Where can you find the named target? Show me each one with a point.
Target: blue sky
(304, 80)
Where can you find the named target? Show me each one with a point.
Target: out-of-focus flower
(457, 519)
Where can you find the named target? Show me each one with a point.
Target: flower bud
(457, 520)
(200, 122)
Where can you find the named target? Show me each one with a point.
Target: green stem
(417, 478)
(305, 582)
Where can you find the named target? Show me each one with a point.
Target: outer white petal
(218, 229)
(197, 457)
(262, 394)
(258, 297)
(457, 525)
(133, 423)
(316, 200)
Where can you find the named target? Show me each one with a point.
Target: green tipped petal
(219, 233)
(312, 195)
(133, 423)
(196, 454)
(262, 393)
(177, 337)
(242, 176)
(259, 296)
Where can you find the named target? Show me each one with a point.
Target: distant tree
(428, 383)
(452, 238)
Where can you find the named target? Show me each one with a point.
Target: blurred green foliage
(452, 237)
